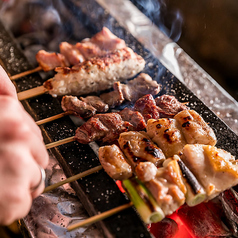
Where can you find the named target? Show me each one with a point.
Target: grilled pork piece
(134, 118)
(114, 162)
(166, 133)
(147, 107)
(78, 107)
(96, 74)
(71, 53)
(170, 106)
(107, 41)
(96, 102)
(101, 43)
(132, 91)
(215, 169)
(195, 129)
(107, 127)
(167, 187)
(101, 126)
(138, 147)
(113, 98)
(49, 61)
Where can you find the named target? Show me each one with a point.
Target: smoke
(169, 22)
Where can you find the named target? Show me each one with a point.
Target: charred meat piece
(71, 53)
(135, 118)
(90, 131)
(170, 105)
(147, 107)
(214, 168)
(166, 133)
(113, 98)
(114, 162)
(49, 61)
(96, 102)
(138, 147)
(78, 107)
(106, 127)
(96, 74)
(194, 128)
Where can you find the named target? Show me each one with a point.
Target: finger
(38, 185)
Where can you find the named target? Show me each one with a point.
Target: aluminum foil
(51, 213)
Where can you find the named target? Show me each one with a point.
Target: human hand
(21, 151)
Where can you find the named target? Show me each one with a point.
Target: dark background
(207, 30)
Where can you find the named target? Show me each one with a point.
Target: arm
(21, 151)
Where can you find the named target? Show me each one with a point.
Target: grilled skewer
(101, 43)
(92, 75)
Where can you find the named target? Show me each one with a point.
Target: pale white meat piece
(138, 147)
(96, 74)
(145, 171)
(214, 168)
(194, 128)
(166, 133)
(167, 187)
(114, 163)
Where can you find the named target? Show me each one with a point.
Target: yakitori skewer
(92, 75)
(25, 73)
(99, 44)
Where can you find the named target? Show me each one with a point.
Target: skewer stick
(73, 178)
(60, 142)
(23, 74)
(33, 92)
(49, 119)
(100, 217)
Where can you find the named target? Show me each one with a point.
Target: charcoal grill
(98, 192)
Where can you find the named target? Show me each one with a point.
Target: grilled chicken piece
(147, 107)
(96, 74)
(71, 53)
(137, 148)
(134, 118)
(194, 128)
(105, 127)
(49, 61)
(215, 169)
(114, 162)
(170, 106)
(167, 187)
(145, 171)
(96, 102)
(78, 107)
(166, 133)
